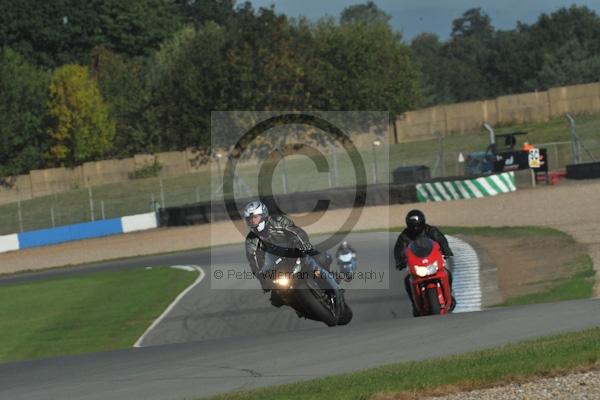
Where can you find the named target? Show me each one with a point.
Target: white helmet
(255, 214)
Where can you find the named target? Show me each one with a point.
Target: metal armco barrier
(469, 188)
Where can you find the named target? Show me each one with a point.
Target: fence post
(102, 208)
(335, 166)
(574, 140)
(441, 154)
(376, 143)
(285, 172)
(20, 215)
(52, 216)
(91, 203)
(162, 193)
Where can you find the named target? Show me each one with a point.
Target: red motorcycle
(429, 279)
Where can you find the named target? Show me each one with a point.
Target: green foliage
(262, 61)
(479, 62)
(473, 23)
(190, 79)
(124, 85)
(570, 64)
(199, 12)
(367, 13)
(149, 170)
(163, 66)
(56, 32)
(81, 129)
(23, 90)
(365, 67)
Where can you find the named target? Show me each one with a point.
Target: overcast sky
(415, 16)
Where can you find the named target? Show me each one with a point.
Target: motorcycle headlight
(297, 268)
(283, 282)
(428, 270)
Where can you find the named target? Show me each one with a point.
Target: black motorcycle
(309, 290)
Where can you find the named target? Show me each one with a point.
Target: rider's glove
(400, 267)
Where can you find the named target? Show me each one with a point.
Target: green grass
(510, 231)
(135, 196)
(479, 369)
(578, 285)
(96, 312)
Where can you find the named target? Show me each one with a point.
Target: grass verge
(517, 362)
(96, 312)
(510, 231)
(578, 285)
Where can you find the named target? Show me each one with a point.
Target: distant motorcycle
(313, 293)
(346, 265)
(429, 279)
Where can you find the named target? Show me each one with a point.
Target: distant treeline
(88, 80)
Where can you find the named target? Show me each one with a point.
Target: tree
(123, 84)
(81, 129)
(365, 67)
(23, 89)
(427, 51)
(186, 86)
(367, 13)
(198, 12)
(571, 64)
(473, 23)
(458, 70)
(54, 32)
(255, 63)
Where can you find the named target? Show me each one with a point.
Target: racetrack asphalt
(195, 369)
(234, 339)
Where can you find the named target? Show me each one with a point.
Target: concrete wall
(55, 180)
(86, 230)
(469, 116)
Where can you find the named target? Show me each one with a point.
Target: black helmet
(415, 221)
(255, 214)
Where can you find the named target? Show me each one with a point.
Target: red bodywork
(437, 281)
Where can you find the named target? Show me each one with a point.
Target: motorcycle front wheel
(311, 300)
(434, 302)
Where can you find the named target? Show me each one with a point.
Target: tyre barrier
(295, 203)
(584, 171)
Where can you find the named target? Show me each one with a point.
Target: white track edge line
(201, 275)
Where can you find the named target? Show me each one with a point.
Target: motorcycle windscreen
(422, 247)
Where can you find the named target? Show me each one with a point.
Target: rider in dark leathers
(416, 227)
(272, 236)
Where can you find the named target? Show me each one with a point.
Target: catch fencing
(295, 174)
